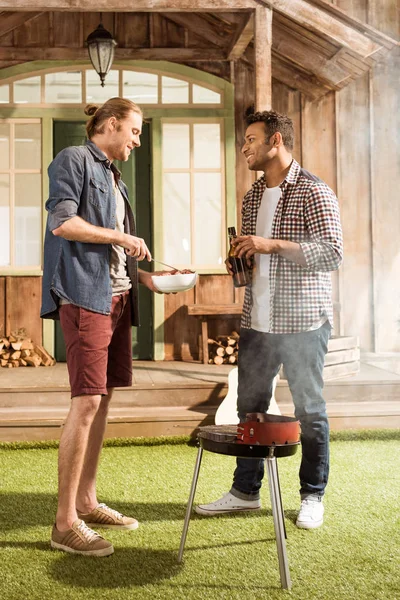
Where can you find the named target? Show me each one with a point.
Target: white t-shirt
(260, 313)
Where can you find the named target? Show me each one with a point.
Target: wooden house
(195, 66)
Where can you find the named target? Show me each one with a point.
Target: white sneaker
(228, 503)
(311, 513)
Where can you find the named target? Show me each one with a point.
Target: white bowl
(175, 283)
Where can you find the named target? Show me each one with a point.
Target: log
(214, 342)
(229, 350)
(218, 360)
(33, 360)
(47, 359)
(6, 355)
(220, 351)
(23, 362)
(25, 353)
(3, 362)
(15, 363)
(16, 355)
(26, 344)
(16, 345)
(232, 359)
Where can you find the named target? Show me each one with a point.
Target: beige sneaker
(104, 516)
(80, 540)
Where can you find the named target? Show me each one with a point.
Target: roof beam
(300, 54)
(191, 6)
(306, 84)
(242, 38)
(11, 20)
(172, 54)
(322, 23)
(197, 25)
(375, 34)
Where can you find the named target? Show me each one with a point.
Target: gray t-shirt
(120, 281)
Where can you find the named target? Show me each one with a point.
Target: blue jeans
(302, 355)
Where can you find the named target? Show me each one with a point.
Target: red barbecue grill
(260, 436)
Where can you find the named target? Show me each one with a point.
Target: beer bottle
(241, 271)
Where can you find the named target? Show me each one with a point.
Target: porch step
(42, 423)
(174, 399)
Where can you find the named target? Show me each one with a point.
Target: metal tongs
(164, 264)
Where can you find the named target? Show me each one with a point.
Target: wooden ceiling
(315, 46)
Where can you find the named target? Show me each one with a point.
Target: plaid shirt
(307, 213)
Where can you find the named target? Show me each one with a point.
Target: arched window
(82, 85)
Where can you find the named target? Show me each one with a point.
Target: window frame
(120, 68)
(12, 268)
(191, 121)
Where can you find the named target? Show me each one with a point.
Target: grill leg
(279, 522)
(190, 503)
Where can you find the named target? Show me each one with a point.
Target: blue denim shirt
(81, 184)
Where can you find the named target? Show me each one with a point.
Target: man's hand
(248, 245)
(136, 247)
(228, 267)
(146, 279)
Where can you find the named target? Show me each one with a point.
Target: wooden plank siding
(385, 168)
(368, 126)
(22, 300)
(354, 187)
(2, 306)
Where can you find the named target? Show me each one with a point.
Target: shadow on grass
(127, 567)
(30, 510)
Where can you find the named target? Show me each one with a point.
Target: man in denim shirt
(90, 283)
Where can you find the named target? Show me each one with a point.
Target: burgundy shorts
(99, 347)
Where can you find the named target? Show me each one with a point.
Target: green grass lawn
(355, 555)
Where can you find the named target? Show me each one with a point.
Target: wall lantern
(101, 46)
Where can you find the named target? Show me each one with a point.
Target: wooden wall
(368, 125)
(20, 300)
(181, 331)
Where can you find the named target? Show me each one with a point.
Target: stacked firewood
(224, 349)
(18, 350)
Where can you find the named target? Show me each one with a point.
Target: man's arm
(66, 176)
(252, 244)
(323, 251)
(76, 229)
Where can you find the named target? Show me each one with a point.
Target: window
(63, 88)
(20, 193)
(193, 206)
(81, 85)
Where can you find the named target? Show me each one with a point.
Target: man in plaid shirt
(292, 234)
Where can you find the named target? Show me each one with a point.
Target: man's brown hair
(273, 123)
(114, 107)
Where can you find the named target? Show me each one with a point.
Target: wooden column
(262, 58)
(244, 98)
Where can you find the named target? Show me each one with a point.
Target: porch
(173, 398)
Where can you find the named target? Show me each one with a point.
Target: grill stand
(277, 514)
